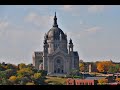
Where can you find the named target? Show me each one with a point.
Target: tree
(24, 80)
(112, 69)
(13, 79)
(3, 74)
(11, 66)
(104, 66)
(74, 72)
(24, 72)
(37, 75)
(103, 81)
(43, 72)
(4, 81)
(82, 67)
(2, 68)
(100, 67)
(117, 80)
(21, 66)
(10, 72)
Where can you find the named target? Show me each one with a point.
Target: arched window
(62, 71)
(58, 61)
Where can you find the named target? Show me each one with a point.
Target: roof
(75, 53)
(95, 78)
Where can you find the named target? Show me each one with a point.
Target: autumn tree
(37, 75)
(117, 80)
(21, 66)
(100, 67)
(102, 81)
(82, 67)
(104, 66)
(24, 72)
(13, 79)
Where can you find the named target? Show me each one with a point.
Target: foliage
(37, 75)
(11, 66)
(100, 67)
(74, 72)
(103, 81)
(80, 77)
(82, 67)
(30, 83)
(112, 69)
(22, 74)
(2, 68)
(104, 66)
(3, 74)
(13, 79)
(117, 79)
(21, 66)
(10, 72)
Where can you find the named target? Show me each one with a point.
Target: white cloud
(3, 25)
(93, 29)
(81, 22)
(96, 8)
(18, 44)
(39, 20)
(84, 33)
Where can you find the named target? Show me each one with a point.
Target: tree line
(100, 66)
(21, 74)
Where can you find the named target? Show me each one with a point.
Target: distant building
(57, 57)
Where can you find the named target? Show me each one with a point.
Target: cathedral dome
(55, 32)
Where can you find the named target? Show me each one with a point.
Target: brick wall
(80, 82)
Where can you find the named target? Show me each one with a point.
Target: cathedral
(58, 57)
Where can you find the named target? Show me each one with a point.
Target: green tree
(10, 72)
(3, 74)
(2, 68)
(24, 80)
(112, 69)
(11, 66)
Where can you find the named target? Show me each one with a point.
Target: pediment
(58, 51)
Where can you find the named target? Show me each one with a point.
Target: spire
(45, 41)
(55, 21)
(70, 41)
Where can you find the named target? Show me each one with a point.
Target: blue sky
(94, 30)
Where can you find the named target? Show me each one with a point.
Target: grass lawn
(55, 80)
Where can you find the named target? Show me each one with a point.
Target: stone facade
(57, 57)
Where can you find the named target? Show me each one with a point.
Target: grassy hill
(55, 80)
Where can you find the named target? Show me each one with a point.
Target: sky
(94, 29)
